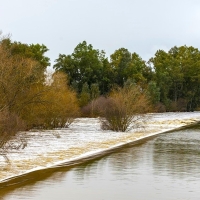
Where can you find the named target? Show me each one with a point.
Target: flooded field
(84, 140)
(166, 167)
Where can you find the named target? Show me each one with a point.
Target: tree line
(84, 79)
(118, 89)
(171, 79)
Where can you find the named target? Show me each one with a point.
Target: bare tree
(124, 108)
(9, 125)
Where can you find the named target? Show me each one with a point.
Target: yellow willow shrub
(58, 107)
(124, 108)
(65, 103)
(25, 95)
(17, 77)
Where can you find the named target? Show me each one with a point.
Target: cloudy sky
(141, 26)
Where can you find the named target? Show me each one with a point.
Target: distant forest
(170, 79)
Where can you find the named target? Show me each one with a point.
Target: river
(166, 167)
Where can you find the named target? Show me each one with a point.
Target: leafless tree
(125, 108)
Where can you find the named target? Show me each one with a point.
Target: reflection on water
(167, 167)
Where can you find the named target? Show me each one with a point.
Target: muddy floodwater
(166, 167)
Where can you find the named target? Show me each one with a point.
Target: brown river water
(166, 167)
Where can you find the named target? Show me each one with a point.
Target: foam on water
(83, 138)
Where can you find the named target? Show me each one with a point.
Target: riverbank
(84, 139)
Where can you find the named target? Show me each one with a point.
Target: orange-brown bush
(27, 101)
(95, 108)
(58, 108)
(125, 106)
(16, 77)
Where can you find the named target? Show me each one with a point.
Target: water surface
(166, 167)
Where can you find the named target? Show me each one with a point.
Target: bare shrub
(58, 108)
(160, 108)
(125, 107)
(10, 124)
(179, 105)
(95, 108)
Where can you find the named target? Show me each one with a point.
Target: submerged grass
(99, 142)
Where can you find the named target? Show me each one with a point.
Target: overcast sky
(141, 26)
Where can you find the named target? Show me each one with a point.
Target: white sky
(141, 26)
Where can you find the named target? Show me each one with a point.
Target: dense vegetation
(27, 99)
(171, 79)
(87, 79)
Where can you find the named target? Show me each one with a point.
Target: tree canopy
(172, 77)
(84, 65)
(91, 66)
(177, 74)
